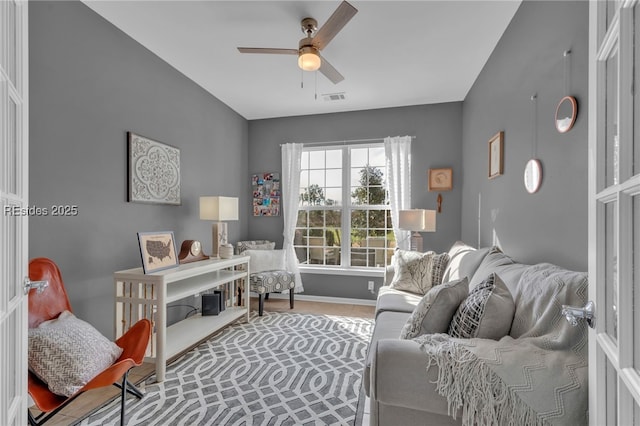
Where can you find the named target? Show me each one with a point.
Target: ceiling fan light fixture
(316, 40)
(309, 59)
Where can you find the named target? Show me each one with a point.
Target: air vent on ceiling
(330, 97)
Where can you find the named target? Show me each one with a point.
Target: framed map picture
(158, 251)
(266, 194)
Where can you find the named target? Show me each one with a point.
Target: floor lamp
(417, 220)
(218, 209)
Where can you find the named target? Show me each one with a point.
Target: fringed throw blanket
(536, 376)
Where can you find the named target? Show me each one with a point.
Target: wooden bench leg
(291, 298)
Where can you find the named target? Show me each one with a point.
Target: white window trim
(345, 248)
(345, 271)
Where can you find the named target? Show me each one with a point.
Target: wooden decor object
(191, 251)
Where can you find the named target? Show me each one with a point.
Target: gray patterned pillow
(66, 353)
(434, 311)
(241, 246)
(417, 272)
(439, 265)
(486, 313)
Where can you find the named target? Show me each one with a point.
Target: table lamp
(218, 209)
(417, 220)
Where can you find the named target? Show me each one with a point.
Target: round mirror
(566, 114)
(533, 176)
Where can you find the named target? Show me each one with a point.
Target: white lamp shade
(218, 208)
(419, 220)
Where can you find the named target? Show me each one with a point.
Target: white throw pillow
(265, 260)
(486, 313)
(434, 311)
(417, 272)
(66, 353)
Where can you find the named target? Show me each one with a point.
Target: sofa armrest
(388, 275)
(399, 377)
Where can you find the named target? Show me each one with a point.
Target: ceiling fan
(308, 51)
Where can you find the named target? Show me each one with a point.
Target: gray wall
(89, 85)
(437, 144)
(550, 225)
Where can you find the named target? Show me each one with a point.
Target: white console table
(140, 295)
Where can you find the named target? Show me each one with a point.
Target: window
(344, 217)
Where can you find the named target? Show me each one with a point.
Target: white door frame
(14, 186)
(614, 376)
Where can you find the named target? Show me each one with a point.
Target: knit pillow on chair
(66, 353)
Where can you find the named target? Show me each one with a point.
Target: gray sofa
(401, 377)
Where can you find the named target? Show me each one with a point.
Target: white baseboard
(325, 299)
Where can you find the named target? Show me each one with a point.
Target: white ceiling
(392, 53)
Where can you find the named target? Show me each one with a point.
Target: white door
(614, 211)
(13, 220)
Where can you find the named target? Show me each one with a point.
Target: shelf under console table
(140, 295)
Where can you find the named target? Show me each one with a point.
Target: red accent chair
(49, 304)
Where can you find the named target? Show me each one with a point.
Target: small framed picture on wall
(266, 193)
(441, 179)
(496, 158)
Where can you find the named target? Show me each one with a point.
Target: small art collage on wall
(266, 194)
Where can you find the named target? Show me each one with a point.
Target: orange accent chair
(49, 304)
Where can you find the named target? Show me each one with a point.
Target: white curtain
(290, 186)
(398, 158)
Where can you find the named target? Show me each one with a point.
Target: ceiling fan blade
(329, 71)
(268, 50)
(334, 24)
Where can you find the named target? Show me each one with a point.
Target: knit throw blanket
(536, 376)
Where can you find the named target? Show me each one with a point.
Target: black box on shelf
(220, 293)
(210, 304)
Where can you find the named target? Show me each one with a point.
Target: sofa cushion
(498, 262)
(436, 309)
(391, 299)
(388, 275)
(417, 272)
(388, 326)
(463, 261)
(486, 313)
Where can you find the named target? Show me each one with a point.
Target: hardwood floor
(91, 400)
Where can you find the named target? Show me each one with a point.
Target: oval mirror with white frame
(566, 114)
(533, 175)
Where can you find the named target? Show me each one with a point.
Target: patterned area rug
(278, 369)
